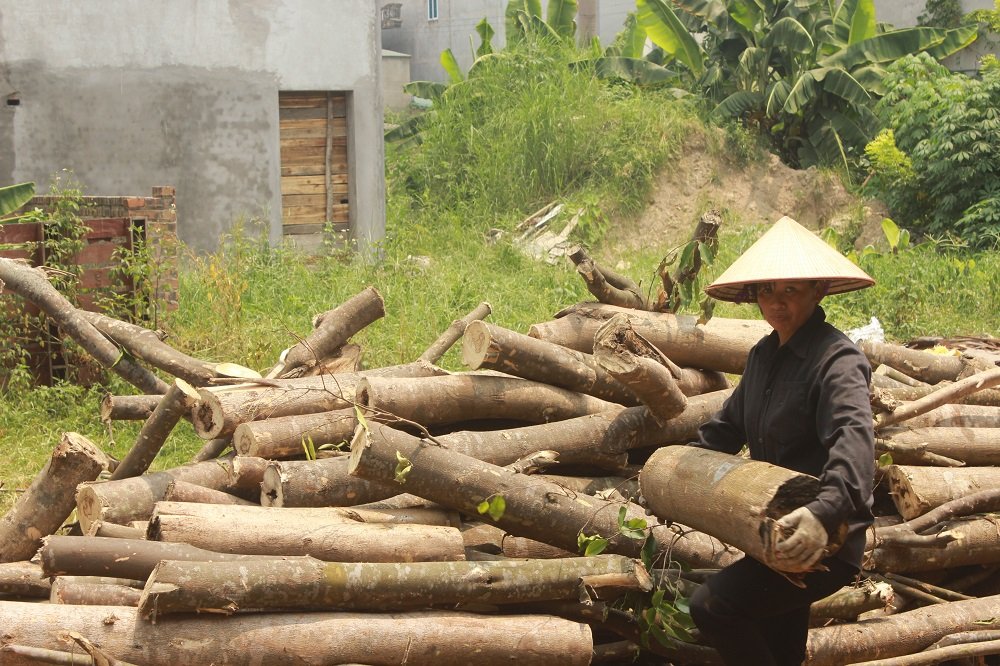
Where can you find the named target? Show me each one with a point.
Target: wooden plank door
(314, 188)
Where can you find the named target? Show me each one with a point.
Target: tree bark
(182, 491)
(458, 398)
(220, 410)
(211, 449)
(976, 447)
(434, 638)
(31, 284)
(127, 407)
(147, 345)
(103, 529)
(496, 348)
(638, 365)
(36, 655)
(942, 396)
(985, 397)
(256, 513)
(283, 437)
(535, 508)
(326, 482)
(174, 405)
(967, 541)
(119, 558)
(924, 366)
(324, 540)
(734, 499)
(309, 584)
(332, 329)
(454, 333)
(606, 285)
(48, 501)
(23, 579)
(721, 344)
(92, 594)
(958, 416)
(917, 489)
(899, 634)
(951, 654)
(849, 602)
(131, 499)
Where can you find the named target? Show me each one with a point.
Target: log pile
(409, 514)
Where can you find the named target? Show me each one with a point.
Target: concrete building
(264, 108)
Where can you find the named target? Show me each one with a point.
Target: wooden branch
(418, 638)
(918, 489)
(850, 602)
(221, 410)
(984, 501)
(284, 436)
(48, 501)
(36, 655)
(605, 285)
(23, 579)
(966, 542)
(308, 584)
(295, 483)
(972, 446)
(535, 508)
(182, 491)
(32, 285)
(68, 591)
(175, 404)
(924, 366)
(939, 655)
(985, 397)
(127, 407)
(639, 366)
(332, 330)
(466, 397)
(454, 333)
(982, 380)
(212, 448)
(486, 346)
(147, 345)
(936, 590)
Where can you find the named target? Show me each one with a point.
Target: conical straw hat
(788, 251)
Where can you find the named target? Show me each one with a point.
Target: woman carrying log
(802, 404)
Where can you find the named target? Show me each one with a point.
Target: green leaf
(746, 14)
(425, 89)
(862, 22)
(498, 505)
(632, 39)
(954, 40)
(634, 70)
(359, 415)
(410, 129)
(787, 33)
(533, 7)
(309, 447)
(513, 29)
(483, 507)
(486, 34)
(840, 83)
(738, 104)
(883, 48)
(13, 197)
(562, 17)
(450, 65)
(595, 546)
(891, 231)
(802, 93)
(649, 550)
(666, 31)
(403, 467)
(885, 460)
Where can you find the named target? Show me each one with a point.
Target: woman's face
(787, 304)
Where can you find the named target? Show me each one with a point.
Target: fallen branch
(454, 333)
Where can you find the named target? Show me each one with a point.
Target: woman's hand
(806, 544)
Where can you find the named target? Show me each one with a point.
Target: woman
(802, 404)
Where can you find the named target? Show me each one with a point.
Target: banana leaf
(803, 91)
(425, 89)
(828, 145)
(533, 7)
(13, 197)
(737, 104)
(854, 131)
(777, 95)
(407, 130)
(631, 40)
(745, 14)
(955, 40)
(512, 27)
(666, 31)
(450, 65)
(562, 16)
(486, 34)
(708, 10)
(843, 85)
(788, 34)
(884, 48)
(635, 70)
(862, 21)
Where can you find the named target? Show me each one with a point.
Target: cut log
(92, 594)
(917, 489)
(849, 602)
(458, 398)
(925, 366)
(127, 407)
(734, 499)
(284, 437)
(145, 344)
(606, 285)
(332, 330)
(48, 501)
(174, 405)
(957, 415)
(309, 584)
(638, 365)
(23, 579)
(969, 541)
(31, 284)
(942, 396)
(103, 529)
(119, 558)
(486, 346)
(721, 344)
(454, 333)
(182, 491)
(211, 449)
(973, 446)
(324, 540)
(220, 410)
(434, 638)
(986, 397)
(899, 634)
(131, 499)
(535, 508)
(254, 514)
(326, 482)
(36, 655)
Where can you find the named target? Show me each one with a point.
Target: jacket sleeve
(724, 432)
(845, 427)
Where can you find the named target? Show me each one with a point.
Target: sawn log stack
(485, 515)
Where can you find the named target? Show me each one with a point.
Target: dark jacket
(805, 406)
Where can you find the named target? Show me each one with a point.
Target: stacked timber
(409, 514)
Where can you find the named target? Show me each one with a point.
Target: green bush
(939, 168)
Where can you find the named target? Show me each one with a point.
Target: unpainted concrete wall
(130, 94)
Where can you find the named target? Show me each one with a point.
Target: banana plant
(12, 197)
(805, 72)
